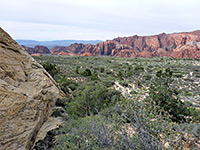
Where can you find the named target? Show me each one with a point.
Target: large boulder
(27, 96)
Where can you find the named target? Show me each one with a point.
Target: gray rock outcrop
(27, 96)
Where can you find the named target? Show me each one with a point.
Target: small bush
(77, 69)
(124, 83)
(65, 84)
(188, 94)
(86, 73)
(166, 97)
(146, 130)
(139, 68)
(90, 98)
(147, 77)
(138, 83)
(102, 70)
(119, 74)
(133, 92)
(109, 82)
(188, 103)
(94, 76)
(52, 69)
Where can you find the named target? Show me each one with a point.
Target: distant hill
(51, 44)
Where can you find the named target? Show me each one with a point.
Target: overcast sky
(96, 19)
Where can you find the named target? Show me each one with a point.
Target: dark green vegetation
(52, 69)
(162, 94)
(90, 98)
(127, 103)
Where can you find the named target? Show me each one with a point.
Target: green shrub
(133, 92)
(52, 69)
(188, 94)
(124, 83)
(147, 77)
(94, 76)
(139, 68)
(194, 114)
(129, 73)
(146, 130)
(178, 75)
(188, 103)
(166, 97)
(77, 69)
(86, 73)
(102, 69)
(90, 98)
(138, 83)
(119, 74)
(109, 82)
(65, 84)
(109, 72)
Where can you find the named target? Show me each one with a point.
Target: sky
(96, 19)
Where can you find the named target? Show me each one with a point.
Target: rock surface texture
(27, 96)
(179, 45)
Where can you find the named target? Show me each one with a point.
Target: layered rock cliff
(73, 49)
(149, 46)
(27, 96)
(140, 46)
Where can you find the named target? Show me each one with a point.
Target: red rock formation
(190, 50)
(126, 53)
(37, 50)
(88, 48)
(76, 48)
(148, 46)
(29, 49)
(42, 50)
(58, 49)
(36, 54)
(170, 45)
(62, 53)
(86, 54)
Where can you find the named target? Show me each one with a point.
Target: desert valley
(139, 92)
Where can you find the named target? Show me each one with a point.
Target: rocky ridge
(179, 45)
(73, 49)
(27, 97)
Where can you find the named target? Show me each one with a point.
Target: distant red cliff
(37, 50)
(179, 45)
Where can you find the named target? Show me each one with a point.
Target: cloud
(99, 19)
(41, 31)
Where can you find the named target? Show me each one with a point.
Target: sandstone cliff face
(189, 50)
(157, 45)
(27, 95)
(142, 46)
